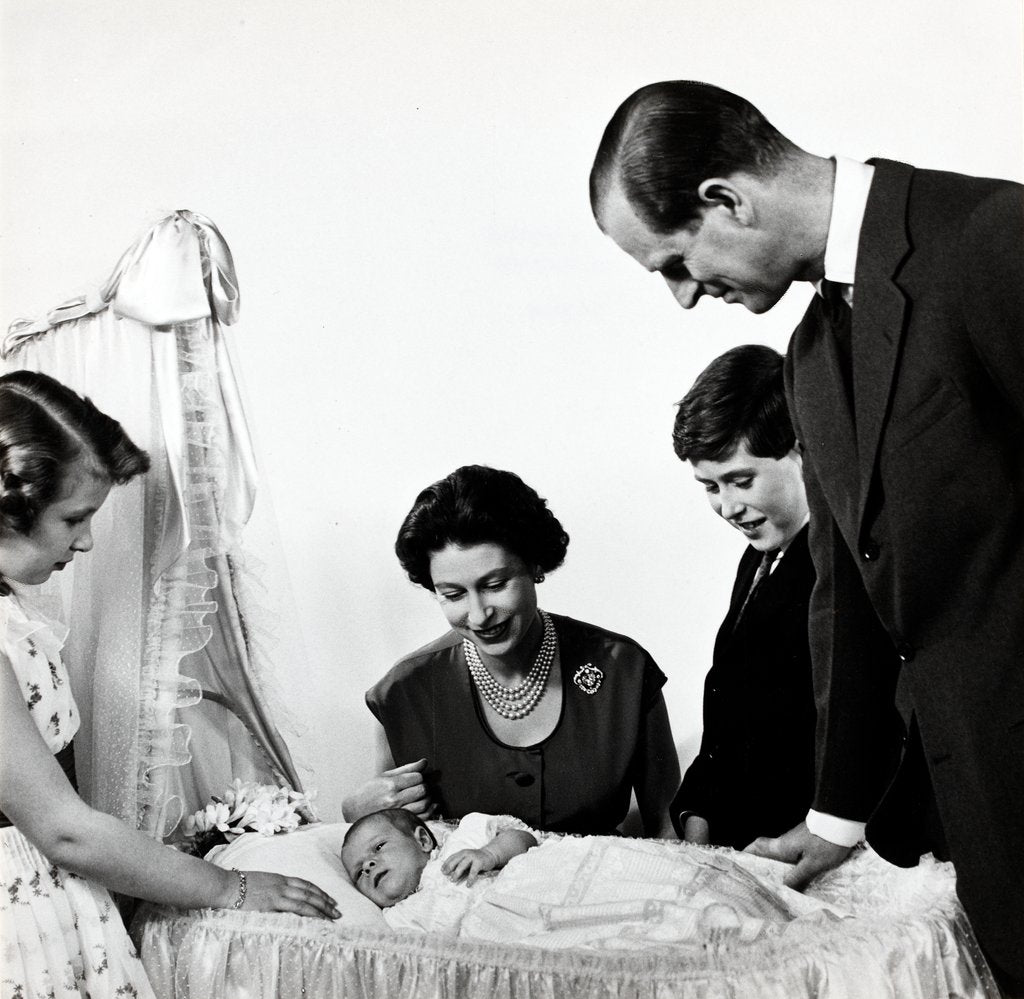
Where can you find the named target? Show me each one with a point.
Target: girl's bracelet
(242, 888)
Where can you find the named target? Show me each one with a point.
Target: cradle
(898, 933)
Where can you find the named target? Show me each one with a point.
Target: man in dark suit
(755, 770)
(906, 384)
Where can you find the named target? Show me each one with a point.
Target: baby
(387, 853)
(592, 891)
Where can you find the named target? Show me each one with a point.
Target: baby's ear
(424, 838)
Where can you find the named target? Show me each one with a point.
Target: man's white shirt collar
(849, 202)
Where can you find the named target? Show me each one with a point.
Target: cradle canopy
(171, 646)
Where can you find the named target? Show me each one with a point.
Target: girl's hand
(276, 893)
(468, 864)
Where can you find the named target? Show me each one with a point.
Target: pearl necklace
(515, 702)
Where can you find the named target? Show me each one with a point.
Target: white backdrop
(404, 187)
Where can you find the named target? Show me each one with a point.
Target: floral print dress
(60, 935)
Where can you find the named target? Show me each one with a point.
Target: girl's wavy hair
(478, 505)
(44, 429)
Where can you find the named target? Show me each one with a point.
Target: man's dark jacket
(916, 492)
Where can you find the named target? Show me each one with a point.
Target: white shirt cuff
(842, 832)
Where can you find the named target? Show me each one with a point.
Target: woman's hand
(401, 787)
(276, 893)
(468, 864)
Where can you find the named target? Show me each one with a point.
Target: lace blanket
(606, 893)
(603, 918)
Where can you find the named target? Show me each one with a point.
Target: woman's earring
(539, 577)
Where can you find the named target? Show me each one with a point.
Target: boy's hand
(468, 864)
(696, 830)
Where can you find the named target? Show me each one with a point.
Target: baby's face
(384, 863)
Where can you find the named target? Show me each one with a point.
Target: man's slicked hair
(667, 138)
(739, 396)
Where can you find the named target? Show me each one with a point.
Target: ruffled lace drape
(168, 653)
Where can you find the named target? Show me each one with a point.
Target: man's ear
(725, 193)
(425, 838)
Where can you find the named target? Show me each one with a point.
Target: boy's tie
(763, 568)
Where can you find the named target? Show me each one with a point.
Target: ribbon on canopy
(178, 271)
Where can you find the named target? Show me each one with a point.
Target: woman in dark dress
(515, 710)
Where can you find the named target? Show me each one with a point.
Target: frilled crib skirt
(899, 935)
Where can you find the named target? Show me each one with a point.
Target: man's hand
(811, 854)
(401, 787)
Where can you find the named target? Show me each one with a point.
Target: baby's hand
(469, 862)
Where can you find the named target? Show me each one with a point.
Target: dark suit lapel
(781, 587)
(822, 403)
(879, 308)
(773, 594)
(744, 577)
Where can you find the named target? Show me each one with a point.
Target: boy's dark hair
(738, 397)
(401, 818)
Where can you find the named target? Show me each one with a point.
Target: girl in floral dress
(60, 934)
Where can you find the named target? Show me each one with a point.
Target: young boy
(754, 775)
(389, 854)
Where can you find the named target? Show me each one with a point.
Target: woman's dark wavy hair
(666, 139)
(738, 396)
(476, 505)
(44, 427)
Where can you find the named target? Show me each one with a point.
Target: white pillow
(312, 852)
